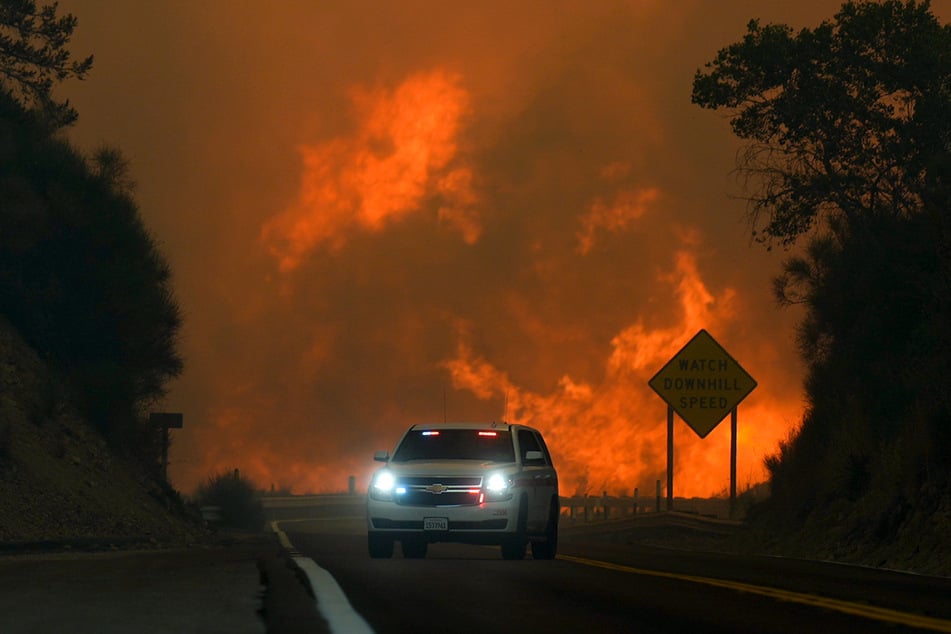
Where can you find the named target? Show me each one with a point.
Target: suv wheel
(549, 547)
(514, 546)
(380, 546)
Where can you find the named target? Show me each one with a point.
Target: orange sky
(382, 213)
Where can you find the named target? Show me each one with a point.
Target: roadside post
(702, 383)
(165, 421)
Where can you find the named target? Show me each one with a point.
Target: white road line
(331, 601)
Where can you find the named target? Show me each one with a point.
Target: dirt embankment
(59, 481)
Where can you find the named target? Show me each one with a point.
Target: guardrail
(601, 507)
(211, 514)
(588, 508)
(296, 501)
(581, 508)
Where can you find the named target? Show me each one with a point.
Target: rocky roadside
(60, 483)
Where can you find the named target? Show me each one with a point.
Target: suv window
(527, 441)
(456, 444)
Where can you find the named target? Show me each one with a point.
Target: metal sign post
(733, 462)
(670, 458)
(702, 383)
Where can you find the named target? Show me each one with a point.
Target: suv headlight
(382, 485)
(497, 487)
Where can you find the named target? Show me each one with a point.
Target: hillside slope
(58, 479)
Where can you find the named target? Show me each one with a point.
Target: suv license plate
(435, 523)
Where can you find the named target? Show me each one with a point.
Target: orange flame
(609, 436)
(401, 152)
(404, 156)
(612, 436)
(627, 207)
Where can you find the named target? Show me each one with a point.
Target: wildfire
(612, 436)
(401, 152)
(627, 207)
(303, 421)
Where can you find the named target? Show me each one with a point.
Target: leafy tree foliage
(33, 55)
(849, 144)
(849, 118)
(81, 278)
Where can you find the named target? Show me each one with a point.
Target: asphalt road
(183, 591)
(603, 586)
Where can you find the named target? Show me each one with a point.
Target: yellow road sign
(702, 383)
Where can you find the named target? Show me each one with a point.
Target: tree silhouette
(849, 119)
(849, 143)
(80, 276)
(33, 56)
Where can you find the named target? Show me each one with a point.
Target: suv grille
(439, 491)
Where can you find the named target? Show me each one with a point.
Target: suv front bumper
(486, 523)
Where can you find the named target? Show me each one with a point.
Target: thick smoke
(387, 213)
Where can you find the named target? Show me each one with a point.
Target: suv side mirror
(534, 457)
(381, 456)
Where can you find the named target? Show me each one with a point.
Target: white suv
(488, 483)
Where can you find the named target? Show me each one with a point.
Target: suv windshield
(456, 444)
